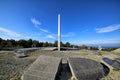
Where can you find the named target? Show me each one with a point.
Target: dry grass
(117, 50)
(11, 67)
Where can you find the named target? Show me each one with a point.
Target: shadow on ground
(65, 73)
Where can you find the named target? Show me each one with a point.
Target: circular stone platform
(86, 69)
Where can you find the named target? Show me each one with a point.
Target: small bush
(73, 78)
(100, 53)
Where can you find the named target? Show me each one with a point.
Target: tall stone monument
(59, 32)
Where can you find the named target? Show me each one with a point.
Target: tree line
(22, 43)
(11, 44)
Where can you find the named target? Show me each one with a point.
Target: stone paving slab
(44, 68)
(113, 63)
(85, 69)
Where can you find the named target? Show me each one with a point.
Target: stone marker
(44, 68)
(20, 53)
(85, 69)
(100, 48)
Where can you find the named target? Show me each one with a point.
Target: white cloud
(50, 36)
(9, 32)
(44, 30)
(38, 24)
(35, 22)
(108, 28)
(70, 34)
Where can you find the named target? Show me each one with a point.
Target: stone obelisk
(59, 32)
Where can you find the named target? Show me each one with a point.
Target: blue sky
(82, 21)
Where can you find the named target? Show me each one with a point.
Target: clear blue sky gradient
(82, 21)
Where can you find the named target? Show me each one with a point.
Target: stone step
(44, 68)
